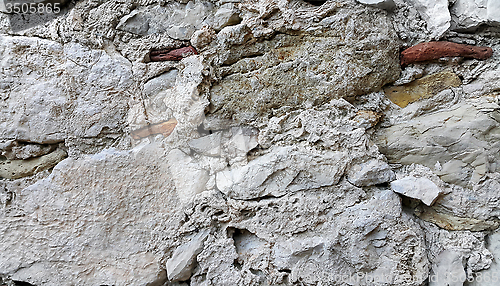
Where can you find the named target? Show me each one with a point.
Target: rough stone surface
(492, 272)
(460, 141)
(372, 172)
(382, 4)
(265, 158)
(290, 71)
(418, 188)
(470, 14)
(436, 15)
(14, 169)
(422, 88)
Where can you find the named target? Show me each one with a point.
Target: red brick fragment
(435, 50)
(171, 55)
(164, 128)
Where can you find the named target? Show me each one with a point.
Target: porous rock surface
(291, 149)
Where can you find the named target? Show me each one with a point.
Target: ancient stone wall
(250, 142)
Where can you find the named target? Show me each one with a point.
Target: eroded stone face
(265, 159)
(57, 91)
(341, 58)
(96, 217)
(461, 140)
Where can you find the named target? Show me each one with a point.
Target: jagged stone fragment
(417, 188)
(422, 88)
(283, 170)
(372, 172)
(181, 264)
(382, 4)
(435, 50)
(450, 222)
(14, 169)
(435, 13)
(190, 179)
(209, 145)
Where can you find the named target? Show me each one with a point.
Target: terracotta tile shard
(435, 50)
(171, 55)
(164, 128)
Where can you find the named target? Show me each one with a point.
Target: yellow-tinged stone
(422, 88)
(451, 222)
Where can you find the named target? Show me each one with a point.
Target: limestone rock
(470, 14)
(108, 206)
(180, 265)
(282, 170)
(449, 270)
(460, 139)
(207, 145)
(178, 20)
(422, 88)
(172, 55)
(372, 172)
(190, 179)
(275, 171)
(38, 109)
(491, 273)
(450, 222)
(226, 15)
(14, 169)
(382, 4)
(435, 13)
(418, 188)
(260, 76)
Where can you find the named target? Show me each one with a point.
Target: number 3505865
(33, 8)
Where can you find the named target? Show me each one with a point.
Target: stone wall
(270, 142)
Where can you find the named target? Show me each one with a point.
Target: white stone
(493, 11)
(448, 270)
(382, 4)
(181, 264)
(372, 172)
(226, 15)
(417, 188)
(209, 145)
(56, 91)
(190, 179)
(283, 170)
(470, 14)
(178, 20)
(92, 221)
(435, 13)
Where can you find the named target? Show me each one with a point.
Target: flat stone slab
(417, 188)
